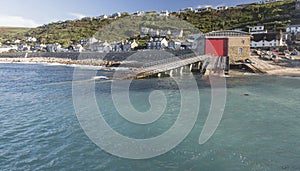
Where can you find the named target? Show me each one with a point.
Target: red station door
(216, 46)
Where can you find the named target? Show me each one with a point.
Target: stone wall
(147, 56)
(238, 48)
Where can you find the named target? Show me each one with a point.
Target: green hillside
(7, 33)
(275, 16)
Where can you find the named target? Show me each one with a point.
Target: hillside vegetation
(275, 16)
(7, 33)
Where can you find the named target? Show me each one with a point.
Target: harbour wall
(112, 56)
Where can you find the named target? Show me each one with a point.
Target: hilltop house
(268, 1)
(164, 13)
(244, 5)
(115, 15)
(220, 8)
(103, 16)
(203, 9)
(138, 13)
(186, 9)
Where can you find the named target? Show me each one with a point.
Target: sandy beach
(279, 67)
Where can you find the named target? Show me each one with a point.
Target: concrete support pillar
(181, 70)
(170, 73)
(198, 65)
(159, 75)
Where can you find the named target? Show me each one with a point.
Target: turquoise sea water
(39, 129)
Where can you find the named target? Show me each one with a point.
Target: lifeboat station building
(228, 43)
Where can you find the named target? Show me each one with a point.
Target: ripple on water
(39, 129)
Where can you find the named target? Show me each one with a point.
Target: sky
(33, 13)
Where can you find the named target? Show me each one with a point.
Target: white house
(31, 39)
(145, 30)
(186, 9)
(157, 43)
(89, 41)
(99, 47)
(17, 41)
(139, 13)
(177, 33)
(203, 9)
(78, 48)
(103, 16)
(294, 29)
(116, 15)
(175, 45)
(164, 13)
(257, 29)
(134, 44)
(153, 32)
(220, 8)
(268, 1)
(268, 40)
(164, 43)
(23, 48)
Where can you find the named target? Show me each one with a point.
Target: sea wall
(112, 56)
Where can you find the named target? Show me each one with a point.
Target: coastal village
(238, 44)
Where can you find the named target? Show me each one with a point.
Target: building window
(240, 51)
(243, 42)
(270, 44)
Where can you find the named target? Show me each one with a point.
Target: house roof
(296, 25)
(227, 33)
(265, 36)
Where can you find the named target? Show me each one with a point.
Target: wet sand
(279, 67)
